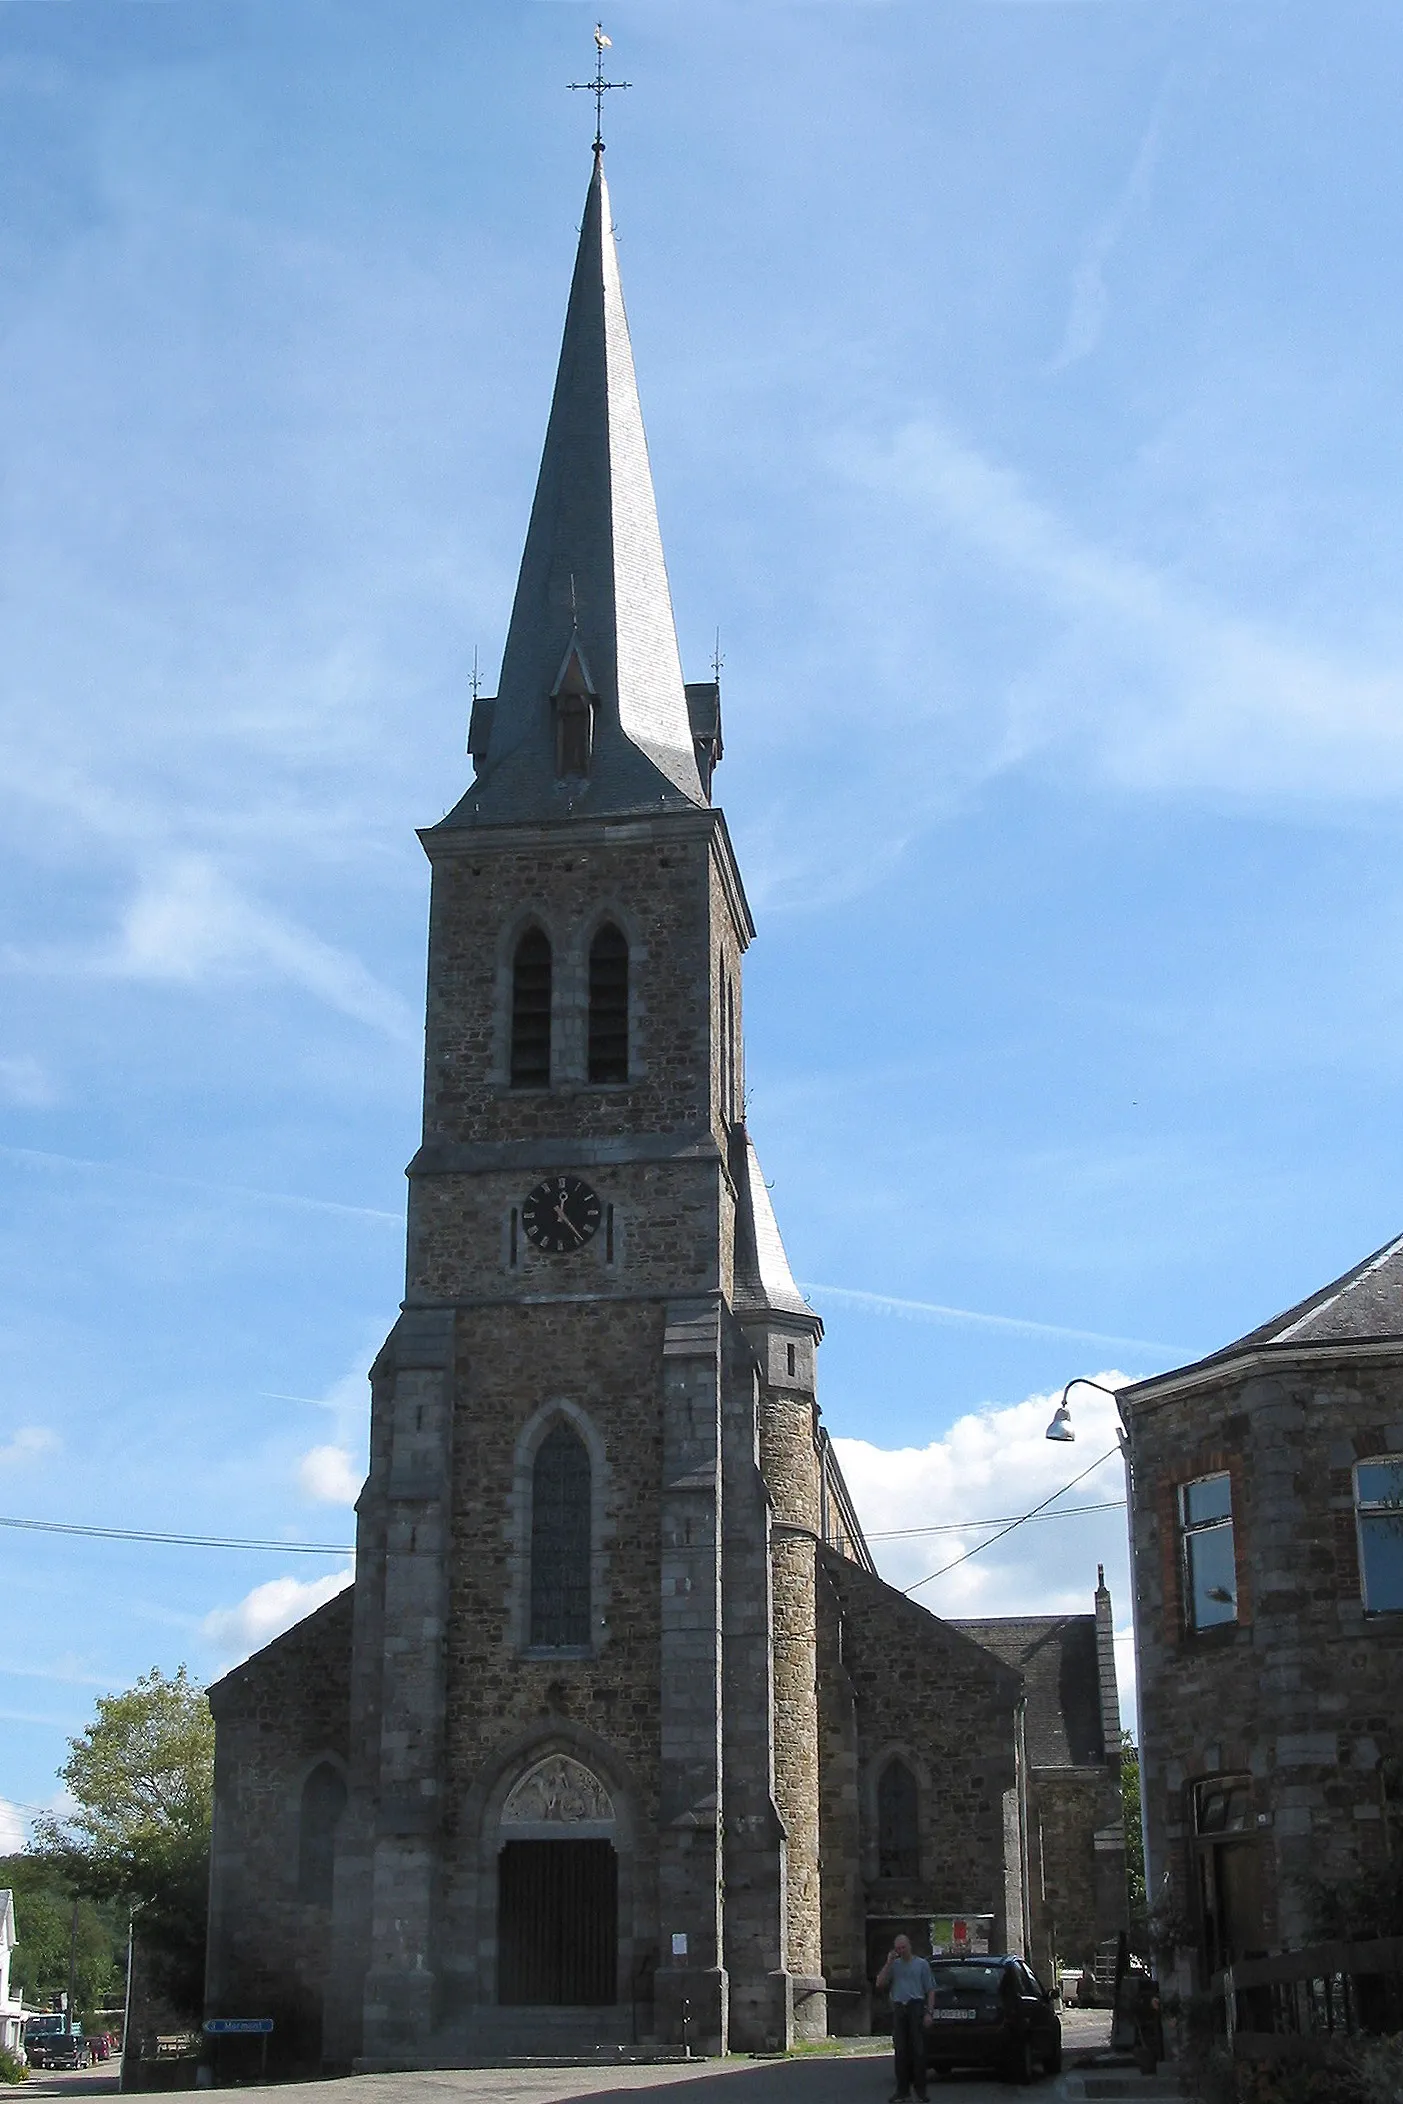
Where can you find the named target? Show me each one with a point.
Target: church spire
(591, 714)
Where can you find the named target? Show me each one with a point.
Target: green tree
(142, 1778)
(1134, 1837)
(44, 1903)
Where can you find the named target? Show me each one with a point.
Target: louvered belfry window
(608, 1006)
(560, 1541)
(531, 986)
(898, 1823)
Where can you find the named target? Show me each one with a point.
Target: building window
(531, 989)
(898, 1822)
(1378, 1508)
(574, 734)
(560, 1541)
(1210, 1570)
(608, 1006)
(323, 1802)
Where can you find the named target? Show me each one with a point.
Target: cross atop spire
(599, 87)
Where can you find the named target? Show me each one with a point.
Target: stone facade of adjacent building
(1269, 1619)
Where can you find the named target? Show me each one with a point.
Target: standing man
(911, 1984)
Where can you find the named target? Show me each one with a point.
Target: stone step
(493, 2037)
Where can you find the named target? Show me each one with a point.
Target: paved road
(861, 2074)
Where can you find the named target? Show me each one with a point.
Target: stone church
(618, 1735)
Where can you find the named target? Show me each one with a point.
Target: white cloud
(995, 1464)
(190, 925)
(28, 1443)
(24, 1082)
(1163, 688)
(267, 1611)
(1086, 315)
(14, 1828)
(329, 1474)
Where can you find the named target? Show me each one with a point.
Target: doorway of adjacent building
(1229, 1870)
(558, 1923)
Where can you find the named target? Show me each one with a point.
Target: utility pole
(72, 1964)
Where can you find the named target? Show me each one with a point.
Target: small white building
(11, 2009)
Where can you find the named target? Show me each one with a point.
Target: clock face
(560, 1214)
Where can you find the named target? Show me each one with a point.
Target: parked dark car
(52, 2046)
(992, 2012)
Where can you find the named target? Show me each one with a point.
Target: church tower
(588, 1706)
(555, 1772)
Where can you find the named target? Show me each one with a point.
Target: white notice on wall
(679, 1946)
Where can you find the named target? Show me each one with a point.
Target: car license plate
(954, 2016)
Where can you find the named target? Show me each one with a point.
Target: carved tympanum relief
(559, 1790)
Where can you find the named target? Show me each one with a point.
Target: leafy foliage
(44, 1902)
(12, 2068)
(1134, 1838)
(1351, 1910)
(142, 1776)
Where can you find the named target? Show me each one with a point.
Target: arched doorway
(558, 1889)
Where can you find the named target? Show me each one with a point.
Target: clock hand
(565, 1221)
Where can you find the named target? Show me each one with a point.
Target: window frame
(1191, 1531)
(1367, 1509)
(517, 1078)
(597, 1010)
(541, 1646)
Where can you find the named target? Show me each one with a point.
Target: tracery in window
(531, 1003)
(608, 1005)
(898, 1822)
(560, 1540)
(323, 1802)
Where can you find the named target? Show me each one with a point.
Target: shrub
(12, 2068)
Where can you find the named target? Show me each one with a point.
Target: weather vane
(599, 87)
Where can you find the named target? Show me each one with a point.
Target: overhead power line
(1021, 1521)
(184, 1541)
(1005, 1520)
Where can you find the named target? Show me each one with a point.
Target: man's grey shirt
(910, 1980)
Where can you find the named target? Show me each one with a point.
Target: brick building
(1266, 1518)
(618, 1732)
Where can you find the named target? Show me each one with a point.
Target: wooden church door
(558, 1923)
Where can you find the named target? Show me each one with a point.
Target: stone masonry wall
(514, 1361)
(789, 1463)
(1070, 1914)
(1302, 1693)
(948, 1707)
(658, 880)
(276, 1718)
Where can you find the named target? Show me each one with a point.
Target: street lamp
(1061, 1427)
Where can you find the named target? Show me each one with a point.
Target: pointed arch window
(323, 1802)
(531, 1004)
(608, 1005)
(898, 1822)
(560, 1541)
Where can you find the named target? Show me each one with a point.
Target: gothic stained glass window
(898, 1823)
(531, 988)
(608, 1006)
(323, 1802)
(560, 1540)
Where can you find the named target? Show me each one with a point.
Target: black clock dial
(560, 1214)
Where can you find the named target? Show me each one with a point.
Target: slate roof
(1363, 1305)
(1056, 1654)
(592, 580)
(763, 1280)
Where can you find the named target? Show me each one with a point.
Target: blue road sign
(237, 2026)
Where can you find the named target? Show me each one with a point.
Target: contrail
(935, 1311)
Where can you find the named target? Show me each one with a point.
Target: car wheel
(1018, 2066)
(1052, 2059)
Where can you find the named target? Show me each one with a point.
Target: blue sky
(1021, 384)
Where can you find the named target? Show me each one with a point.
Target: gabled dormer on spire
(591, 716)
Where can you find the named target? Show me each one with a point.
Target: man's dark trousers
(908, 2037)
